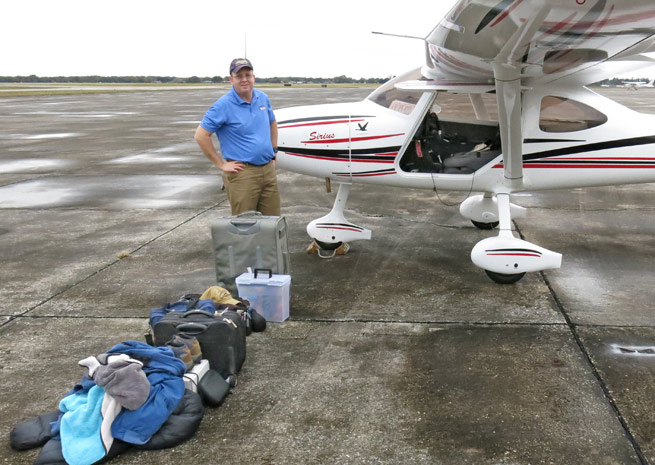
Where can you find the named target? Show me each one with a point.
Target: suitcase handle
(249, 213)
(197, 312)
(265, 270)
(193, 329)
(243, 222)
(239, 219)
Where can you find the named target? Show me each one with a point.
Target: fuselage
(572, 137)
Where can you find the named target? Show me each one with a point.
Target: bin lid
(263, 279)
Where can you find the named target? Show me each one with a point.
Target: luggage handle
(193, 329)
(265, 270)
(197, 312)
(249, 213)
(243, 222)
(244, 218)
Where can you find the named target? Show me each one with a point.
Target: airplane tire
(485, 226)
(502, 278)
(328, 245)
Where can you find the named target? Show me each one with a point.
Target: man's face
(243, 80)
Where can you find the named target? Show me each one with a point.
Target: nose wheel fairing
(505, 258)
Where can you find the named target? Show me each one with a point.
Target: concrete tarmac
(400, 352)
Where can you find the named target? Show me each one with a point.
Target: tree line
(618, 81)
(221, 79)
(189, 80)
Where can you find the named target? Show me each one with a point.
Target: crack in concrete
(594, 370)
(109, 265)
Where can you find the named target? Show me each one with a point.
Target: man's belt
(247, 163)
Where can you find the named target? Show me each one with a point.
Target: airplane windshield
(402, 101)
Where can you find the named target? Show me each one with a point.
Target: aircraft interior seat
(450, 147)
(468, 162)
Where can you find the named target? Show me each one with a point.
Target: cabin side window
(559, 114)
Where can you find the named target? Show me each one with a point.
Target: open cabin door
(457, 134)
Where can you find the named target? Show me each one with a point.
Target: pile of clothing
(147, 396)
(131, 396)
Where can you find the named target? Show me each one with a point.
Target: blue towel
(82, 429)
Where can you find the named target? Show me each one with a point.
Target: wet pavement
(401, 351)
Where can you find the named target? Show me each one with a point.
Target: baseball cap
(239, 63)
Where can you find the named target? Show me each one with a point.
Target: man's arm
(204, 139)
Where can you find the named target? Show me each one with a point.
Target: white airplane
(499, 107)
(635, 85)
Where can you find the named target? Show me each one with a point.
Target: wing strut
(508, 94)
(507, 75)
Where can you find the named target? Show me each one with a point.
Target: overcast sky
(200, 37)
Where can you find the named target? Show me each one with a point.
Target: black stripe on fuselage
(566, 161)
(363, 174)
(545, 141)
(342, 153)
(576, 149)
(514, 250)
(322, 118)
(348, 225)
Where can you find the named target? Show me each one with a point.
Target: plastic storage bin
(193, 377)
(268, 293)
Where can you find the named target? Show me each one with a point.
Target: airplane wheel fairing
(328, 245)
(485, 226)
(502, 278)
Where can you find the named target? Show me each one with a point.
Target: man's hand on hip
(232, 166)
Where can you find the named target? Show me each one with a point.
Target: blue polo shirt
(243, 129)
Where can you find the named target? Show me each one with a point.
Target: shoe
(343, 248)
(181, 351)
(193, 345)
(315, 248)
(312, 248)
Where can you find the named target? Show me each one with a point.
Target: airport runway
(401, 352)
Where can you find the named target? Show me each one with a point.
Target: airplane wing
(514, 44)
(548, 40)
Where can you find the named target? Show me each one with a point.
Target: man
(245, 125)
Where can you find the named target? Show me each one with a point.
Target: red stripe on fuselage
(596, 163)
(318, 157)
(608, 158)
(355, 175)
(341, 228)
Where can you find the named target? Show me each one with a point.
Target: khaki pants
(253, 188)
